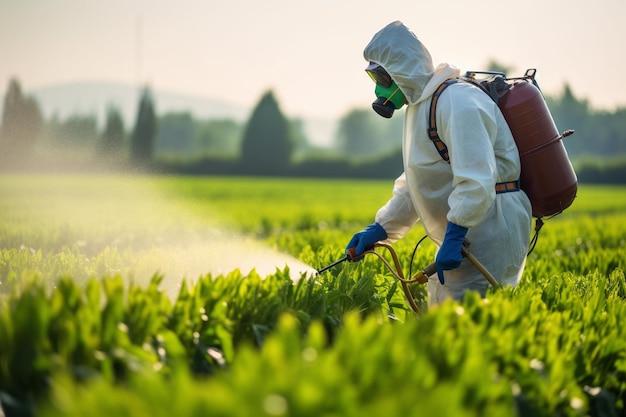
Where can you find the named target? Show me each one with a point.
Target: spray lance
(420, 277)
(349, 256)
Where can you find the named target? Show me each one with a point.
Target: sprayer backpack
(547, 176)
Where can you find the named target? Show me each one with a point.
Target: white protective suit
(482, 152)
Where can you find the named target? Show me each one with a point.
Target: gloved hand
(450, 255)
(365, 239)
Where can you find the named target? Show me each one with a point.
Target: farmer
(474, 196)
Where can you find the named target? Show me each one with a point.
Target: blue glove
(450, 255)
(365, 239)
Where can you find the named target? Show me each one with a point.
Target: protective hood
(407, 61)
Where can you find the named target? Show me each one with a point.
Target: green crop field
(195, 296)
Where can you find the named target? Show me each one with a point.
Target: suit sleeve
(398, 215)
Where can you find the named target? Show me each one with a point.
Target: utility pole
(138, 51)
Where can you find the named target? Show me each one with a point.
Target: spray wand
(421, 277)
(349, 256)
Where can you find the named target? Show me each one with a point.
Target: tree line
(268, 143)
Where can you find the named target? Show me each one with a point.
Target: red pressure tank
(547, 177)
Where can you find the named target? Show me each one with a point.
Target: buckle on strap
(507, 187)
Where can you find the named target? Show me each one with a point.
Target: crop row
(83, 334)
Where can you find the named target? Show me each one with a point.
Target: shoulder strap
(432, 120)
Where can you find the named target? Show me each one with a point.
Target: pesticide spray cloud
(127, 225)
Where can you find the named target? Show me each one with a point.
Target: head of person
(400, 66)
(389, 97)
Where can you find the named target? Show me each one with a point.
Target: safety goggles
(379, 75)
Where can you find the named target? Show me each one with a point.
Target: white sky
(309, 52)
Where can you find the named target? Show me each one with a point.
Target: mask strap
(391, 95)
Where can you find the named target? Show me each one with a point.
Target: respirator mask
(389, 96)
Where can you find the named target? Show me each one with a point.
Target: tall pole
(138, 51)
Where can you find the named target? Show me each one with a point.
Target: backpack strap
(501, 187)
(432, 120)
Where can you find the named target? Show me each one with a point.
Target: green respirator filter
(388, 100)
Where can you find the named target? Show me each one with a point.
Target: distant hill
(92, 97)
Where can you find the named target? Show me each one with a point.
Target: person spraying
(472, 195)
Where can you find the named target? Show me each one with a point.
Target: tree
(496, 66)
(298, 137)
(360, 134)
(267, 145)
(221, 137)
(142, 145)
(77, 131)
(568, 113)
(21, 123)
(112, 139)
(176, 133)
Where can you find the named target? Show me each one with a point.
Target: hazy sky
(309, 52)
